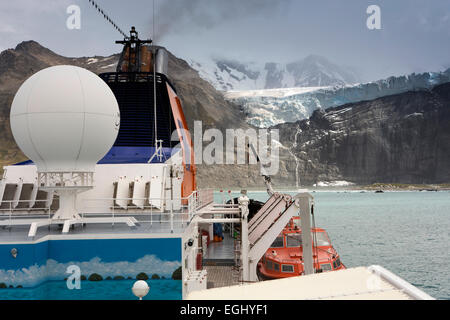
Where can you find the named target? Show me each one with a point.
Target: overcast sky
(415, 34)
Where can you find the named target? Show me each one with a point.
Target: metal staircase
(267, 224)
(272, 210)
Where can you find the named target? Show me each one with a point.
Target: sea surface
(407, 233)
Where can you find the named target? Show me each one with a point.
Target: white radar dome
(65, 119)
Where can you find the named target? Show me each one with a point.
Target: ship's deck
(371, 283)
(221, 251)
(222, 276)
(157, 226)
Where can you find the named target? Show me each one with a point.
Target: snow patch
(415, 114)
(109, 66)
(274, 93)
(338, 183)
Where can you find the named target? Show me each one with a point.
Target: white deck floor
(158, 226)
(365, 283)
(223, 250)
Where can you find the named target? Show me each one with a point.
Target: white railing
(13, 212)
(204, 197)
(163, 213)
(192, 205)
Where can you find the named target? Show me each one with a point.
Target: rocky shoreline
(407, 187)
(372, 187)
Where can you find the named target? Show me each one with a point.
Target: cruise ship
(68, 230)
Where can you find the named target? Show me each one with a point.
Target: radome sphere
(65, 119)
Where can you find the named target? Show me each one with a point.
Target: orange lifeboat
(285, 256)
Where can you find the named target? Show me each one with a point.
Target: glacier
(266, 108)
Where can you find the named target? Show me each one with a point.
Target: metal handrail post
(171, 216)
(10, 214)
(113, 213)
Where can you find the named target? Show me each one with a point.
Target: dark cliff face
(401, 138)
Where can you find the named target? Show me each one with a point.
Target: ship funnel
(162, 61)
(141, 56)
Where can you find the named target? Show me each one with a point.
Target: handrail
(195, 201)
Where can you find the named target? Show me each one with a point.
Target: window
(325, 267)
(322, 239)
(269, 265)
(276, 266)
(278, 243)
(334, 265)
(287, 268)
(293, 240)
(338, 262)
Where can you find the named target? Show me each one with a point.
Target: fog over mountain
(414, 36)
(312, 71)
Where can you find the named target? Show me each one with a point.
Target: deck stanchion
(171, 217)
(113, 215)
(10, 214)
(49, 213)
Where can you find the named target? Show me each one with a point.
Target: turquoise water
(101, 290)
(408, 233)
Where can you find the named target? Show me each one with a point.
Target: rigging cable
(107, 18)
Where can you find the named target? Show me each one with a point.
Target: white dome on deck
(65, 119)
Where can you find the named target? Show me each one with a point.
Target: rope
(107, 18)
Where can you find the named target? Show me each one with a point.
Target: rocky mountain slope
(200, 100)
(312, 71)
(265, 108)
(398, 138)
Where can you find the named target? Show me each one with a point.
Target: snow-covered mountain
(312, 71)
(265, 108)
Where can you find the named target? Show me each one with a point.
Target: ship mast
(135, 63)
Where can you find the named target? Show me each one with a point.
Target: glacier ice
(265, 108)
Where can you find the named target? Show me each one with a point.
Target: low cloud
(180, 15)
